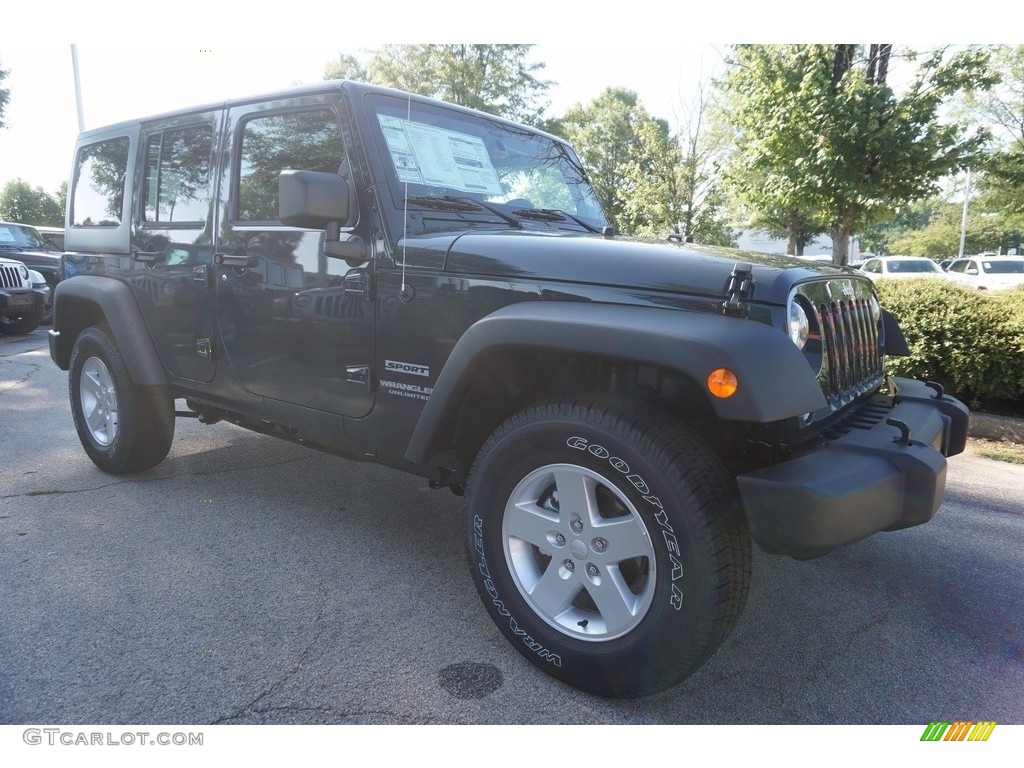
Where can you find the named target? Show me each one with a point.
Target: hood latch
(740, 287)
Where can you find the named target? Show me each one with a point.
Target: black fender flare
(80, 301)
(775, 379)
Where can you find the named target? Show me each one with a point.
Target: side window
(177, 184)
(306, 141)
(98, 193)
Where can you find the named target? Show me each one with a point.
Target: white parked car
(988, 273)
(901, 267)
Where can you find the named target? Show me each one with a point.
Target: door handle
(229, 260)
(148, 257)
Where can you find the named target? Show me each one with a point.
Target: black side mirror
(312, 199)
(316, 200)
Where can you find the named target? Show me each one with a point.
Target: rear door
(172, 240)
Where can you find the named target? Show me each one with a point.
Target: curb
(999, 428)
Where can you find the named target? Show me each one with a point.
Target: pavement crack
(9, 385)
(341, 715)
(303, 657)
(133, 481)
(852, 636)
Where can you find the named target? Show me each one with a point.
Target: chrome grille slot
(10, 277)
(852, 362)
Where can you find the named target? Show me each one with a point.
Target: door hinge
(359, 281)
(204, 349)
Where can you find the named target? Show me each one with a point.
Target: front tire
(607, 543)
(123, 426)
(23, 325)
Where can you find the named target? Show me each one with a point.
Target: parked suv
(988, 272)
(400, 280)
(24, 298)
(27, 245)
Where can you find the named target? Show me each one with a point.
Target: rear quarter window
(97, 199)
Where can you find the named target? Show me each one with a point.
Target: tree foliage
(346, 67)
(620, 145)
(650, 182)
(939, 238)
(20, 202)
(820, 132)
(5, 96)
(498, 79)
(1001, 183)
(694, 190)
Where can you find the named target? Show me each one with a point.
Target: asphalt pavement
(248, 580)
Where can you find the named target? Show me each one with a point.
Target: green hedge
(971, 342)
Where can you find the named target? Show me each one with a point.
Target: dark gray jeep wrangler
(399, 280)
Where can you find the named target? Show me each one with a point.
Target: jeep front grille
(10, 277)
(853, 361)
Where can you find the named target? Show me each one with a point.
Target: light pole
(963, 221)
(78, 87)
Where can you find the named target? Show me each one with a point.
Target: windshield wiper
(445, 203)
(461, 204)
(553, 214)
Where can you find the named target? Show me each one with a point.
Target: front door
(296, 325)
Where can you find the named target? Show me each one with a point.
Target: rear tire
(123, 426)
(607, 543)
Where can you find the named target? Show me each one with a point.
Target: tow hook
(903, 427)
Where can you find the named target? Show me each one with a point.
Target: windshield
(913, 265)
(435, 152)
(15, 236)
(1003, 267)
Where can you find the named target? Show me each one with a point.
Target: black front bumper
(877, 474)
(17, 302)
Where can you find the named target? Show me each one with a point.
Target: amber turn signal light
(722, 383)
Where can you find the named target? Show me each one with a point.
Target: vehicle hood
(32, 257)
(623, 262)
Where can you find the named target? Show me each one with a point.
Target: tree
(498, 79)
(881, 238)
(346, 67)
(23, 203)
(940, 237)
(627, 154)
(1001, 183)
(698, 194)
(820, 131)
(5, 96)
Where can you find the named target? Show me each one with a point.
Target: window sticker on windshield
(424, 154)
(6, 236)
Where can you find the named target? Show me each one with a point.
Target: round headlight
(799, 326)
(24, 271)
(876, 309)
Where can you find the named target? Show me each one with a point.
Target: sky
(121, 82)
(135, 62)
